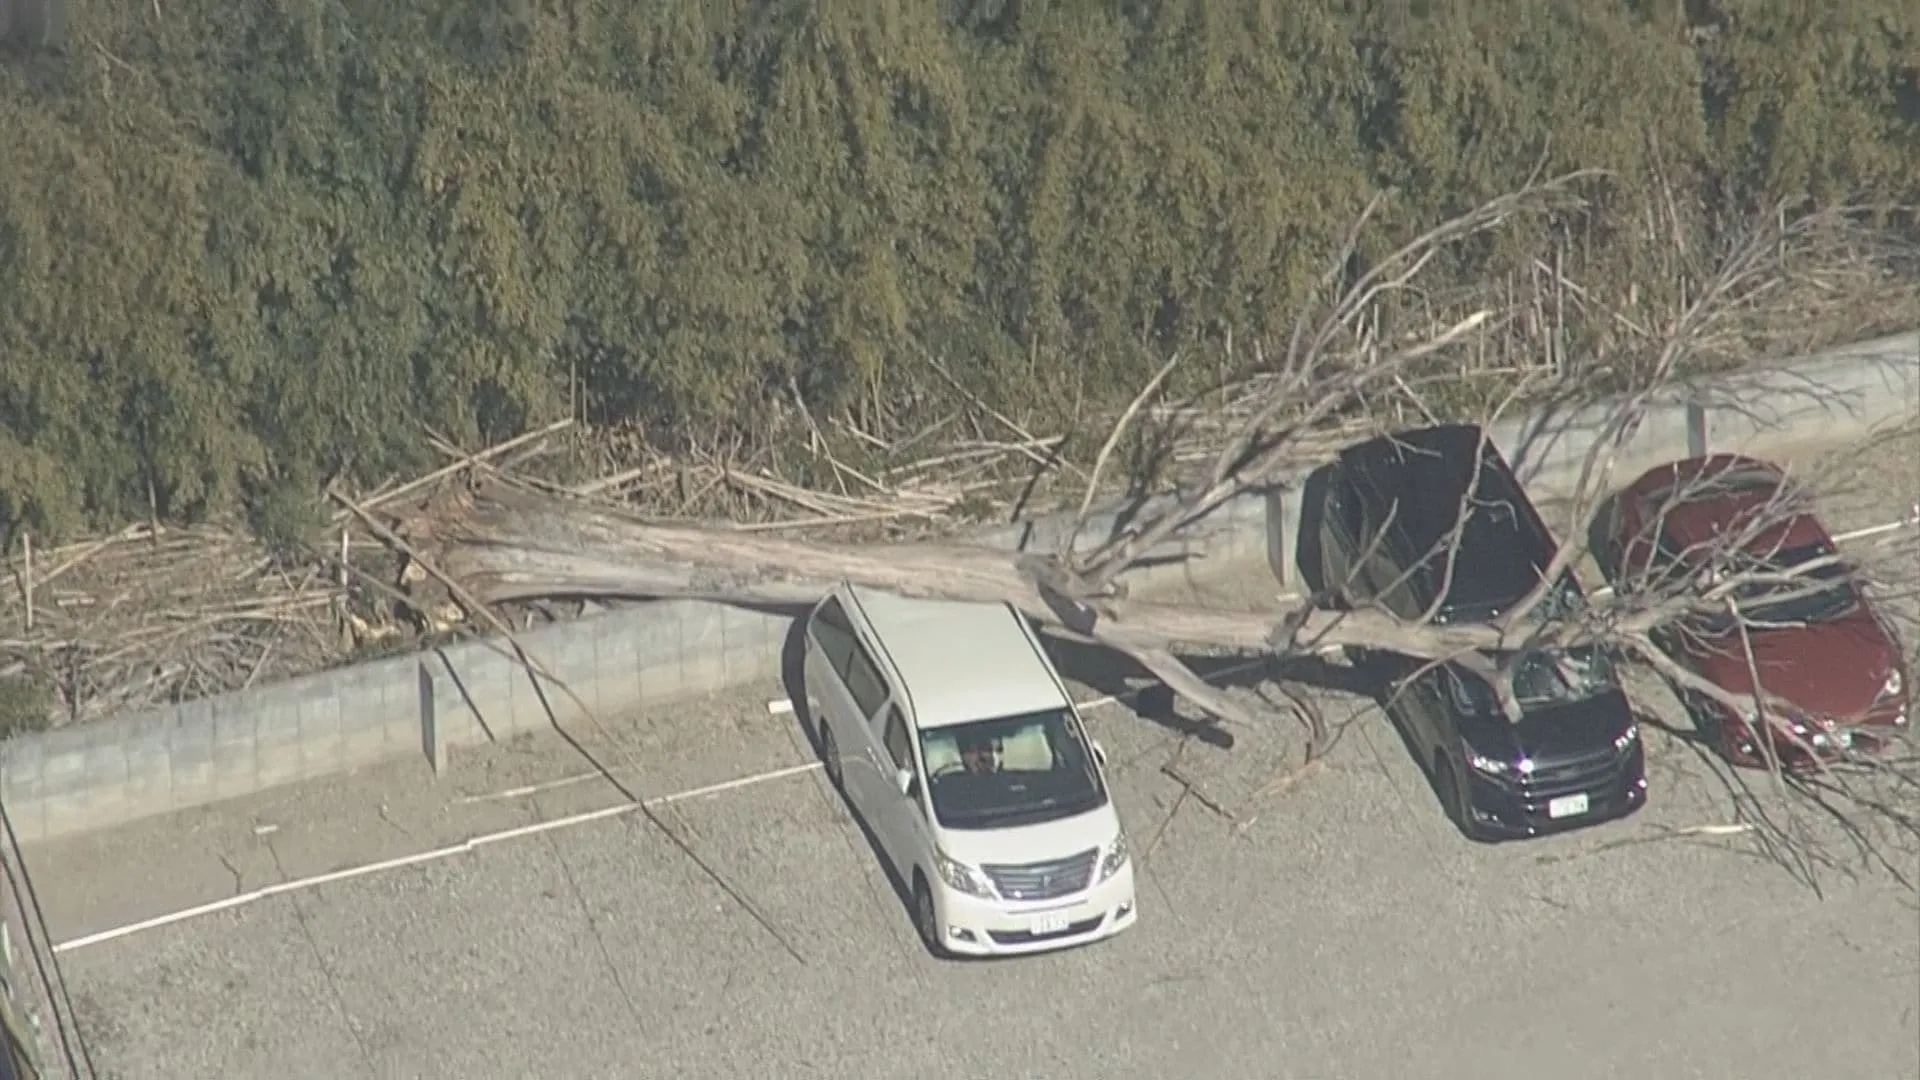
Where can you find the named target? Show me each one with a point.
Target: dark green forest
(248, 247)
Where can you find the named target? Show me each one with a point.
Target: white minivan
(951, 735)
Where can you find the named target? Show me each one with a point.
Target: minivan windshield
(1015, 770)
(1562, 678)
(1542, 679)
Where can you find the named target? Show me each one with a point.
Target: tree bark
(505, 542)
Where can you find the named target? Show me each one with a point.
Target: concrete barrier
(103, 774)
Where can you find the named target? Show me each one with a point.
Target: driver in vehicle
(980, 756)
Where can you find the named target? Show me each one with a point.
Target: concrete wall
(103, 774)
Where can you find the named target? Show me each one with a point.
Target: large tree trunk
(505, 542)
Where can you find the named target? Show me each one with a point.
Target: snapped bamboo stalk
(26, 577)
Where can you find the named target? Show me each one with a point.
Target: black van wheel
(1453, 797)
(829, 755)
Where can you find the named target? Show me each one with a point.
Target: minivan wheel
(830, 756)
(1453, 797)
(926, 919)
(1706, 724)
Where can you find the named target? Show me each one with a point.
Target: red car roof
(1729, 493)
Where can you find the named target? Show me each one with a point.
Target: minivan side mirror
(1099, 753)
(903, 779)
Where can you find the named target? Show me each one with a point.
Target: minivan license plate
(1567, 806)
(1051, 923)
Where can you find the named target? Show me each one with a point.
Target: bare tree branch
(503, 541)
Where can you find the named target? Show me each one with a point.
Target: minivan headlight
(1627, 738)
(961, 877)
(1485, 764)
(1117, 857)
(1893, 685)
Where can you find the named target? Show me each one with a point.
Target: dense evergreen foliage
(247, 246)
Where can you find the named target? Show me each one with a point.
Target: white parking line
(533, 789)
(471, 844)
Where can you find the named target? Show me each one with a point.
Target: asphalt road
(1334, 929)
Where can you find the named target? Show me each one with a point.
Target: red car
(1828, 665)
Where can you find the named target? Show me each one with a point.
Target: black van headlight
(1484, 764)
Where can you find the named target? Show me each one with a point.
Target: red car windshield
(1807, 585)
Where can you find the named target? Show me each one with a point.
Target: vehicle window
(899, 743)
(1345, 507)
(1407, 585)
(1015, 770)
(1468, 694)
(869, 690)
(1540, 679)
(834, 634)
(1562, 678)
(1793, 587)
(1405, 579)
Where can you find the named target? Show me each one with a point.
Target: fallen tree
(1372, 339)
(503, 540)
(507, 542)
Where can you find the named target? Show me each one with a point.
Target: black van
(1393, 505)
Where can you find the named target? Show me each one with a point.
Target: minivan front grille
(1575, 773)
(1592, 773)
(1045, 880)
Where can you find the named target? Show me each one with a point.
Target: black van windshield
(1541, 679)
(1015, 770)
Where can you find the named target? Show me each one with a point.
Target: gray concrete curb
(99, 775)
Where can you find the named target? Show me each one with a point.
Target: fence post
(1279, 549)
(1696, 428)
(432, 740)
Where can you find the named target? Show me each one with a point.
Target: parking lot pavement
(1867, 484)
(1335, 927)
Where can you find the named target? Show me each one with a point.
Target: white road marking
(469, 845)
(533, 789)
(1714, 830)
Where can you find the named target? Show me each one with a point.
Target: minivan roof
(1504, 548)
(960, 661)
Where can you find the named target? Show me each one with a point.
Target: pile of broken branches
(155, 614)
